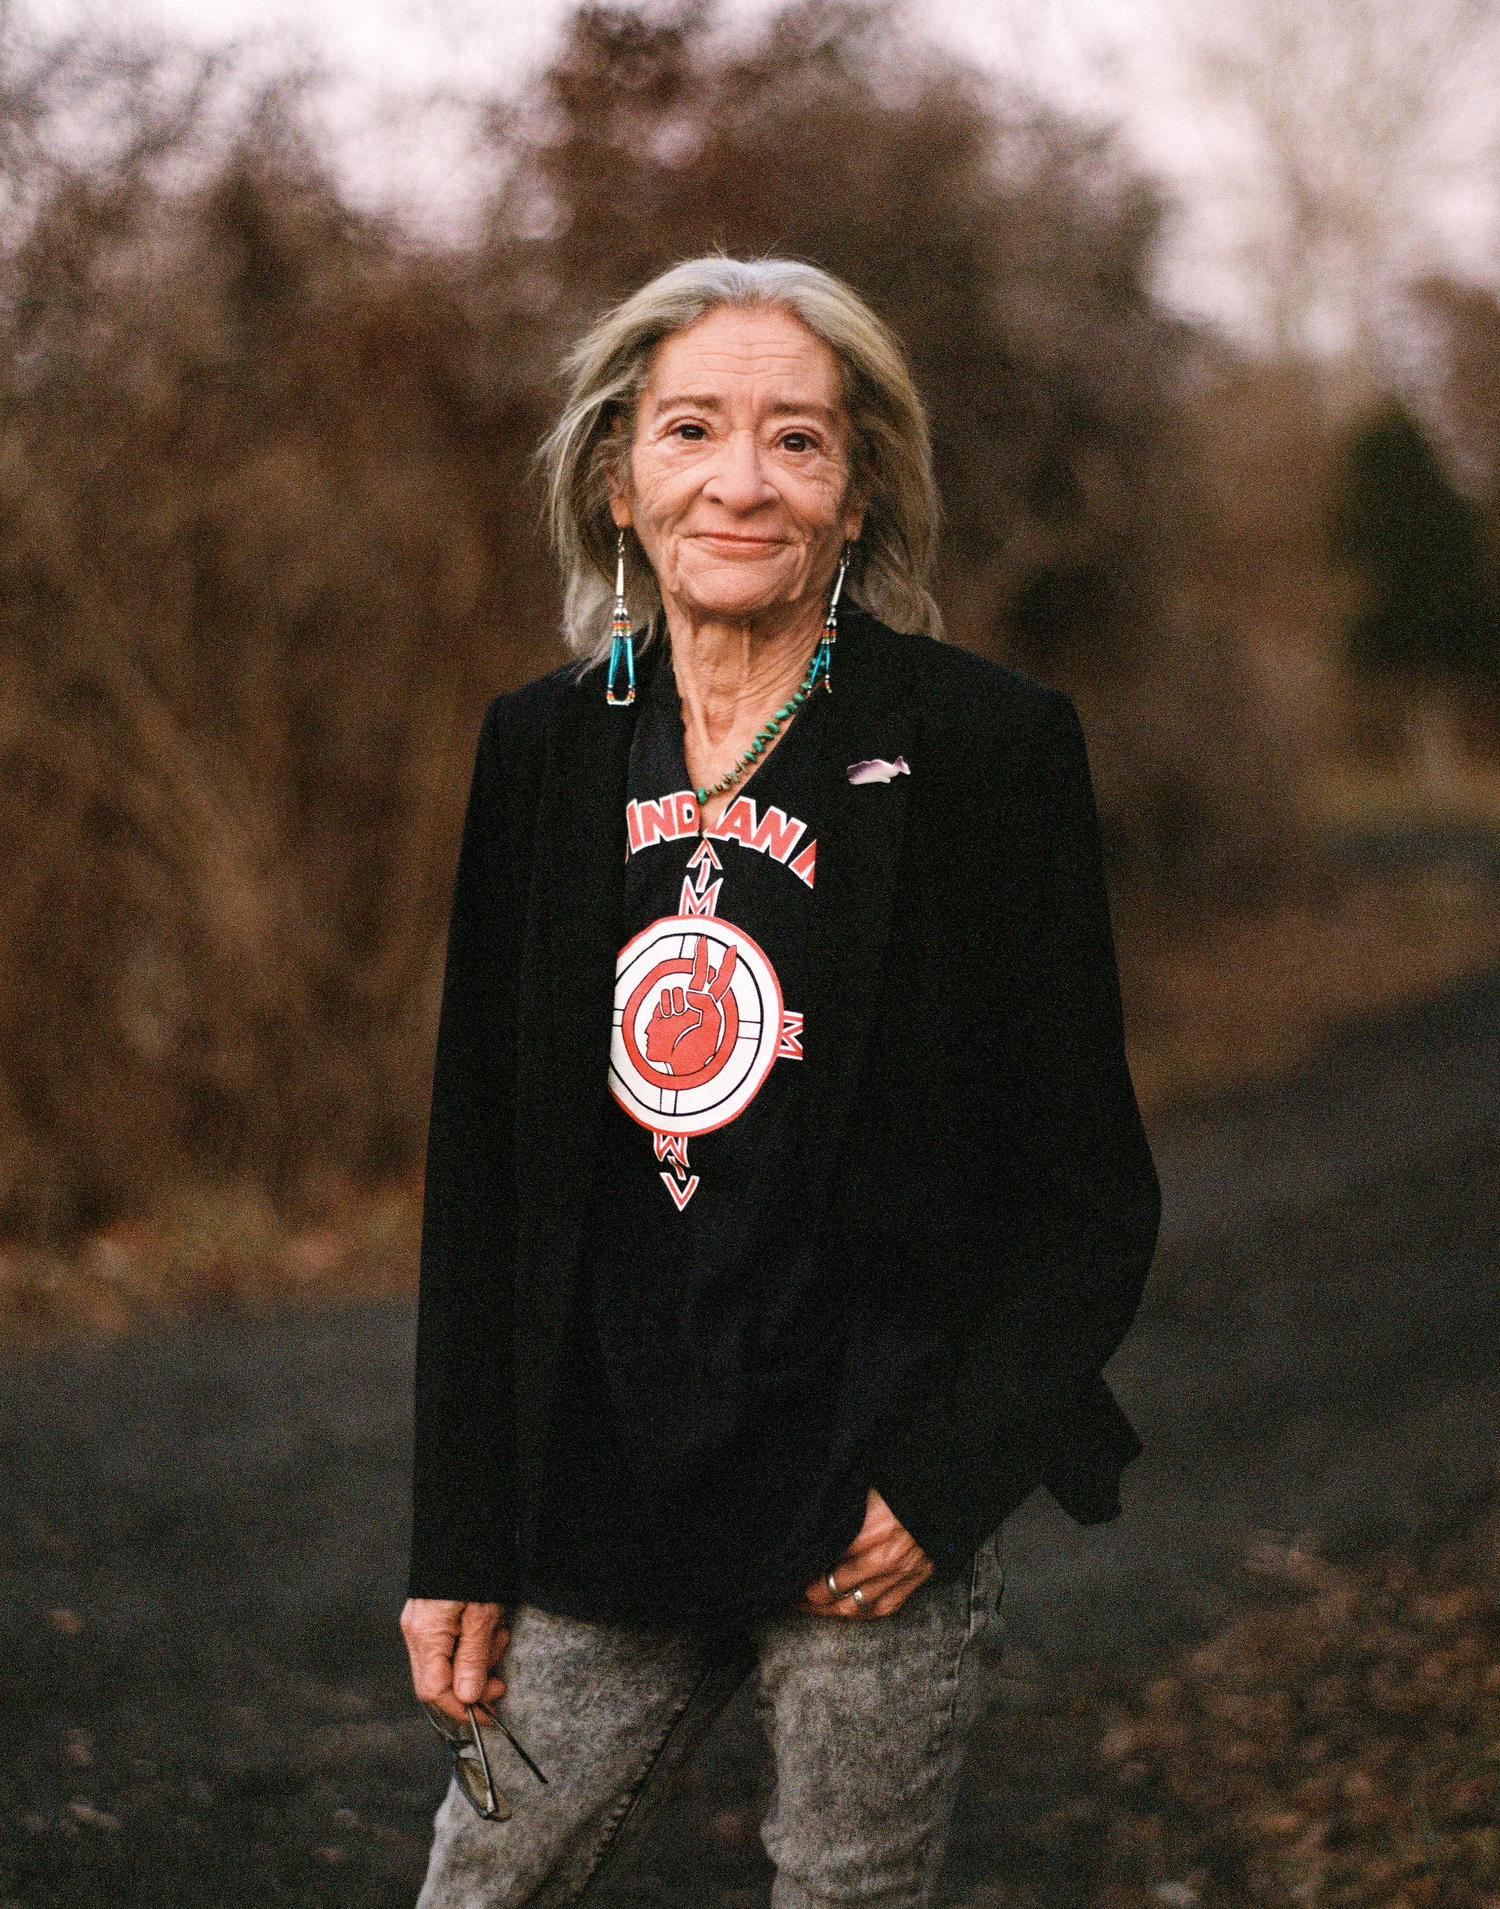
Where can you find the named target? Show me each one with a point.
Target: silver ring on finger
(858, 1596)
(832, 1584)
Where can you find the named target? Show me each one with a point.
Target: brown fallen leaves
(1343, 1750)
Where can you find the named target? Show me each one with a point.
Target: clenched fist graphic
(684, 1032)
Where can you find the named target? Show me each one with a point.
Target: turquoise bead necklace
(765, 737)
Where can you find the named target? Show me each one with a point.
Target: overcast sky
(1137, 64)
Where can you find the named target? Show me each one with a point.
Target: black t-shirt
(701, 1472)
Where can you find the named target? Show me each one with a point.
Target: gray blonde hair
(890, 449)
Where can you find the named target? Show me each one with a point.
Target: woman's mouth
(736, 543)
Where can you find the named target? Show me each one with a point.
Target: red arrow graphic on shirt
(703, 859)
(673, 1147)
(680, 1195)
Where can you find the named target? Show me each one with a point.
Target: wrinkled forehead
(736, 348)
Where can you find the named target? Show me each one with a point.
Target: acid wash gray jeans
(868, 1719)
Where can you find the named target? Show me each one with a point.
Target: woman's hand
(454, 1648)
(885, 1564)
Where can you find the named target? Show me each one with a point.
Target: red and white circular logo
(697, 1023)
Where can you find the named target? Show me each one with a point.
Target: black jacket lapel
(572, 939)
(872, 713)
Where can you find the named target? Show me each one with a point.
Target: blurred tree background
(269, 541)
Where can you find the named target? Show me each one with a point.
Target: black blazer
(985, 1189)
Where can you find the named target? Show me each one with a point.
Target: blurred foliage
(1419, 542)
(254, 539)
(269, 540)
(1468, 366)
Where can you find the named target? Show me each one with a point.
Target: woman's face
(738, 481)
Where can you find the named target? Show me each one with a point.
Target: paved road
(201, 1694)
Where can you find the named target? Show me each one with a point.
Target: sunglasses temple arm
(490, 1801)
(527, 1761)
(514, 1743)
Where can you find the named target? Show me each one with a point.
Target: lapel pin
(877, 769)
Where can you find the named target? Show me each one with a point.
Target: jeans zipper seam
(612, 1837)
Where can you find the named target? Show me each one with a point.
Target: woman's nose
(739, 481)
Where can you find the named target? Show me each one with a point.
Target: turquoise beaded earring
(621, 642)
(823, 655)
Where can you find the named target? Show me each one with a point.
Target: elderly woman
(786, 1191)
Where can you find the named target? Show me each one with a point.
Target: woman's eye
(796, 441)
(694, 433)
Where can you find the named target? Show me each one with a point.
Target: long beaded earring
(621, 643)
(823, 655)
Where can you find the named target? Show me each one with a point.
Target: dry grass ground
(1246, 995)
(210, 1250)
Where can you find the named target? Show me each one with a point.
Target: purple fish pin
(877, 769)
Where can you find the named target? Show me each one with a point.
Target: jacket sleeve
(1012, 1393)
(462, 1504)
